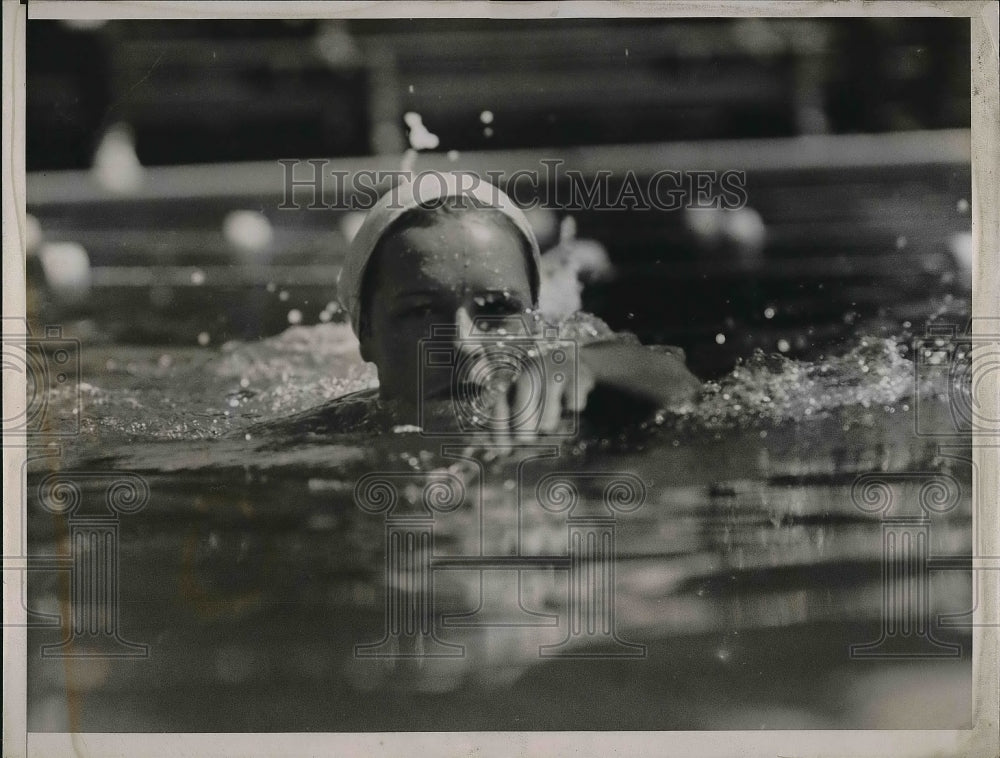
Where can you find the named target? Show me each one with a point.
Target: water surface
(748, 571)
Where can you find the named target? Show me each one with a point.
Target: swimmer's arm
(614, 384)
(660, 378)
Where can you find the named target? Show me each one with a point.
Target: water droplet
(294, 316)
(283, 295)
(486, 117)
(769, 312)
(248, 231)
(420, 137)
(962, 206)
(453, 155)
(783, 346)
(720, 339)
(197, 277)
(488, 131)
(204, 339)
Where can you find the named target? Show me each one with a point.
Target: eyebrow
(434, 295)
(414, 294)
(502, 295)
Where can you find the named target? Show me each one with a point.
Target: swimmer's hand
(546, 397)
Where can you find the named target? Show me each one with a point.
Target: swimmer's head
(443, 260)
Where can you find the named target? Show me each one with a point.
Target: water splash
(770, 389)
(199, 393)
(208, 393)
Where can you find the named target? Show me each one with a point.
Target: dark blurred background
(153, 187)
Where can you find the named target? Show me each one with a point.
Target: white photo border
(983, 740)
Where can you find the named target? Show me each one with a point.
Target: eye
(499, 309)
(423, 310)
(498, 304)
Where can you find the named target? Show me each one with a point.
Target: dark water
(741, 580)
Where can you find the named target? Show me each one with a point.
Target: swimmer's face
(452, 272)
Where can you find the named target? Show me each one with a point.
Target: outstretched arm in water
(613, 385)
(657, 376)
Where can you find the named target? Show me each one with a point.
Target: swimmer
(441, 284)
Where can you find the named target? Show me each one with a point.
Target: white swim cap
(426, 190)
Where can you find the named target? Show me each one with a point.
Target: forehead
(471, 250)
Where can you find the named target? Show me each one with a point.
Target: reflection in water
(722, 591)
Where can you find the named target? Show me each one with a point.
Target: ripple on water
(770, 389)
(197, 394)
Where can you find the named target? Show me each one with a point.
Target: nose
(464, 323)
